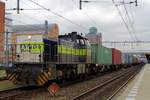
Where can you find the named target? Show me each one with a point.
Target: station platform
(138, 88)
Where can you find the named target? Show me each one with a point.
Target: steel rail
(11, 89)
(5, 95)
(99, 86)
(122, 86)
(3, 78)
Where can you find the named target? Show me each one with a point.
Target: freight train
(38, 59)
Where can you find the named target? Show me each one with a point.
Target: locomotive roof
(72, 35)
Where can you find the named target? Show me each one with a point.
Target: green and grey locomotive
(38, 59)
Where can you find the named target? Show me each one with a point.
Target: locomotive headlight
(18, 56)
(29, 37)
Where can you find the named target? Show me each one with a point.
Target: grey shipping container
(127, 58)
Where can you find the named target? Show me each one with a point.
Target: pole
(18, 6)
(136, 4)
(80, 4)
(7, 54)
(42, 53)
(46, 27)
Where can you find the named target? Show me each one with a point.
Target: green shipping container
(101, 54)
(93, 54)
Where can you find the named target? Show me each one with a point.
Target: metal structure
(117, 3)
(129, 46)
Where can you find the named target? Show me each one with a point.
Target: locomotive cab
(73, 48)
(31, 55)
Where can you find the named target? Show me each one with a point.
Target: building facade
(5, 27)
(94, 37)
(2, 30)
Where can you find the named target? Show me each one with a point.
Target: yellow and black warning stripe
(39, 82)
(46, 75)
(42, 78)
(8, 76)
(12, 77)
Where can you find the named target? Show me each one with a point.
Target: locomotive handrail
(44, 55)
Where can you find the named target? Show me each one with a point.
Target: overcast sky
(102, 15)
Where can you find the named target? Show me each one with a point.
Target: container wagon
(128, 60)
(116, 56)
(101, 56)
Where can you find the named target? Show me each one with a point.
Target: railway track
(18, 93)
(76, 91)
(121, 87)
(105, 87)
(3, 78)
(71, 91)
(8, 94)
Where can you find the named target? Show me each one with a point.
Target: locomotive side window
(82, 42)
(87, 42)
(78, 41)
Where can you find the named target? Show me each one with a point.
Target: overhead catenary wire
(87, 15)
(132, 16)
(30, 17)
(127, 45)
(44, 15)
(59, 16)
(129, 19)
(125, 41)
(126, 25)
(55, 13)
(25, 9)
(22, 22)
(37, 10)
(89, 1)
(126, 11)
